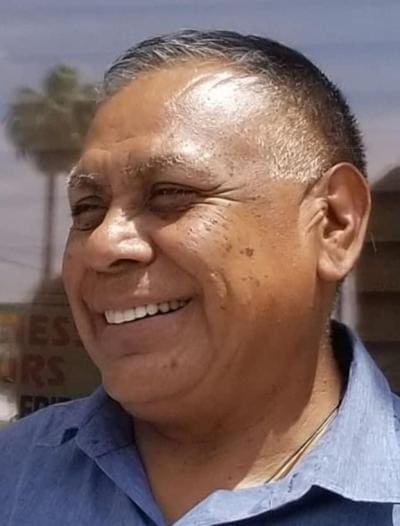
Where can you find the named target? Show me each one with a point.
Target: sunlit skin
(172, 200)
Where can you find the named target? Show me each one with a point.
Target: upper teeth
(121, 316)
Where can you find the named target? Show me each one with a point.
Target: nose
(116, 241)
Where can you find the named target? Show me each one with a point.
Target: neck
(246, 447)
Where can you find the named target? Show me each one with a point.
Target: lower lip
(140, 336)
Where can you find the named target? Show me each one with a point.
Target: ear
(344, 223)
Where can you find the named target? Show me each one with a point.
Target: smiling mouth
(116, 317)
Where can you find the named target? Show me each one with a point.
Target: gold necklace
(292, 460)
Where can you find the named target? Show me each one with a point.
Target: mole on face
(228, 247)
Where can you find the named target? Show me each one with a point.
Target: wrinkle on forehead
(270, 121)
(204, 95)
(228, 93)
(261, 121)
(218, 111)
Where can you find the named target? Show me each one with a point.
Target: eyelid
(87, 215)
(174, 186)
(85, 199)
(196, 185)
(83, 206)
(79, 193)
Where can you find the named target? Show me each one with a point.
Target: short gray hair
(318, 130)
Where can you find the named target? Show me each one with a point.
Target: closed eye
(164, 198)
(87, 215)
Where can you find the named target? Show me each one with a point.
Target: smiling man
(217, 206)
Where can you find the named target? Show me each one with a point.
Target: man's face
(190, 274)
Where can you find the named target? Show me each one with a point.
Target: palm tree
(47, 127)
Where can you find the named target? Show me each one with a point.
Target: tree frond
(49, 126)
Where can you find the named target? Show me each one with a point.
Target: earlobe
(343, 227)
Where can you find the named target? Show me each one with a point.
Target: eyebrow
(78, 179)
(164, 162)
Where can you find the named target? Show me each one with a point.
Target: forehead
(189, 103)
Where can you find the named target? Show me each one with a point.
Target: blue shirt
(75, 464)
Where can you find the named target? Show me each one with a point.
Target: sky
(355, 42)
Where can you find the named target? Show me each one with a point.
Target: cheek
(244, 262)
(200, 243)
(219, 247)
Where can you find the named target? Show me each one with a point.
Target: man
(218, 204)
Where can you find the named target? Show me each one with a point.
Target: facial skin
(172, 201)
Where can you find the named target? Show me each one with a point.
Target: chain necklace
(292, 460)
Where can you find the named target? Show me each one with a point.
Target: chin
(153, 394)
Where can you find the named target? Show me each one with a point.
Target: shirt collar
(96, 421)
(359, 456)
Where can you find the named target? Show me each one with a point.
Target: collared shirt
(75, 464)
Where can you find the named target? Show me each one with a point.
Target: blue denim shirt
(75, 464)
